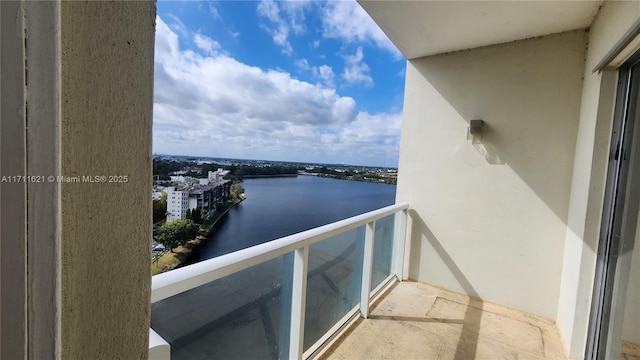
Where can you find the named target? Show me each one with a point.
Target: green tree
(196, 215)
(159, 210)
(175, 233)
(236, 191)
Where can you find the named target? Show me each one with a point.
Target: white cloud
(295, 14)
(166, 39)
(279, 29)
(206, 44)
(178, 25)
(214, 11)
(284, 17)
(325, 73)
(213, 105)
(270, 10)
(303, 64)
(355, 70)
(347, 20)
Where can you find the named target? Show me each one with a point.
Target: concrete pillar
(106, 123)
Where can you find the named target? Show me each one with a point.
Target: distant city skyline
(300, 81)
(211, 160)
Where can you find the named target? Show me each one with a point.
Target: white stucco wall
(193, 203)
(589, 175)
(490, 219)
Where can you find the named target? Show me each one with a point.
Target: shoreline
(213, 224)
(355, 180)
(268, 176)
(174, 260)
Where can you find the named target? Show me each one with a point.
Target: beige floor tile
(419, 321)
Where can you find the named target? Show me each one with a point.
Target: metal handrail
(186, 278)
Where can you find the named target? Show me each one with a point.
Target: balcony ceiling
(422, 28)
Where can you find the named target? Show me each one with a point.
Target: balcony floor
(418, 321)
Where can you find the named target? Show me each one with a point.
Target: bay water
(277, 207)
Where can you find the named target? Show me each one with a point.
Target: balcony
(287, 298)
(333, 292)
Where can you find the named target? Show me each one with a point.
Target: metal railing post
(399, 240)
(367, 268)
(159, 348)
(298, 302)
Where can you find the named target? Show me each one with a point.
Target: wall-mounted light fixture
(474, 132)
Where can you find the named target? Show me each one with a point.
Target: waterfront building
(205, 195)
(181, 179)
(530, 223)
(177, 203)
(217, 175)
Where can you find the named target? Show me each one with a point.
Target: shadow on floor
(472, 319)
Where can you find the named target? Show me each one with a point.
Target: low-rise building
(203, 196)
(156, 195)
(217, 175)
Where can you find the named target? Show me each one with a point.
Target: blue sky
(308, 81)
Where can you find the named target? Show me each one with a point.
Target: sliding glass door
(614, 329)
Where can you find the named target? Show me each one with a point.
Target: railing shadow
(468, 342)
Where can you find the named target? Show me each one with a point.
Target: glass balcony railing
(281, 299)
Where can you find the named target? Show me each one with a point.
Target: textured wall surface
(589, 174)
(489, 219)
(107, 94)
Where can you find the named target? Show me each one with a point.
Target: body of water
(277, 207)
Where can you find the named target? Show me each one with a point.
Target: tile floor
(418, 321)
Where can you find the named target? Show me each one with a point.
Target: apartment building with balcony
(203, 196)
(536, 213)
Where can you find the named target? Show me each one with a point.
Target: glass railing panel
(333, 282)
(245, 315)
(382, 250)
